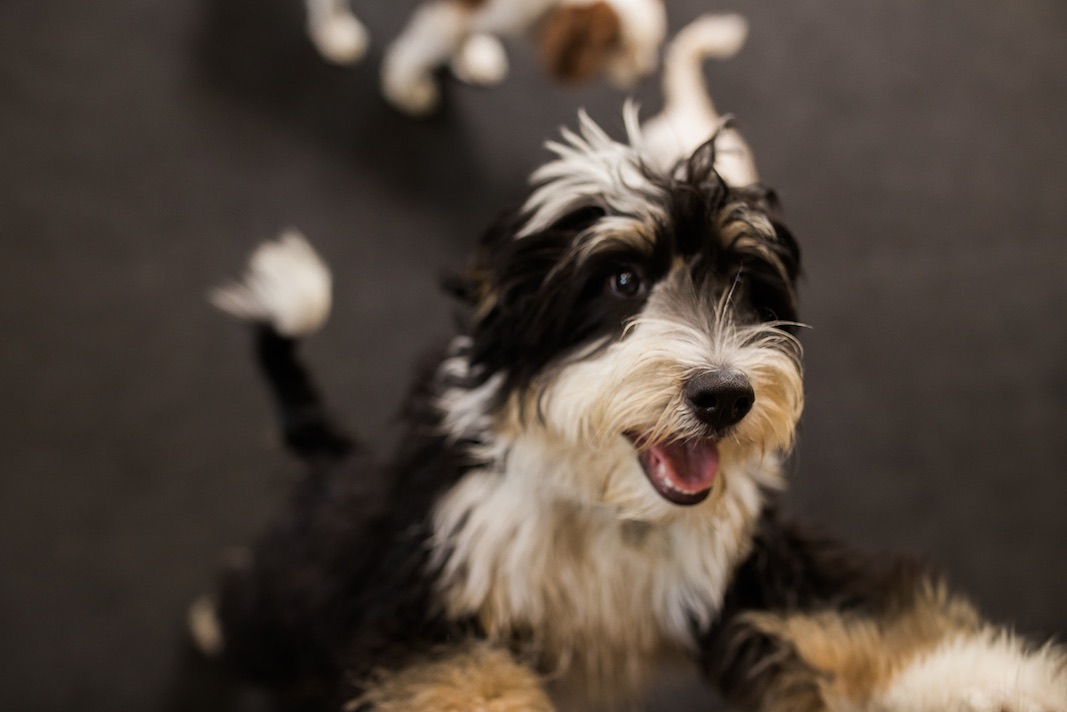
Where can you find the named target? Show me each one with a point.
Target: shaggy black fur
(342, 582)
(791, 570)
(339, 584)
(545, 307)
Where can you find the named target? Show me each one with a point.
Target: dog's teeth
(664, 478)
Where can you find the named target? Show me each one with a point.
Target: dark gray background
(918, 146)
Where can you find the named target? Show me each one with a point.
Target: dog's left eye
(626, 283)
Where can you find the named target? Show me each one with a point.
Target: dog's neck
(522, 546)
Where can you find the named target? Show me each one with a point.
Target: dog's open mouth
(684, 471)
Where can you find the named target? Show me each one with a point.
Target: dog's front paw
(482, 61)
(341, 39)
(408, 82)
(204, 628)
(984, 672)
(981, 700)
(416, 96)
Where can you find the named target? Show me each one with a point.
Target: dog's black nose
(719, 398)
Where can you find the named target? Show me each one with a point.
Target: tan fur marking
(470, 4)
(575, 40)
(479, 679)
(860, 655)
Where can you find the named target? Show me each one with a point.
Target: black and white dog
(587, 485)
(577, 40)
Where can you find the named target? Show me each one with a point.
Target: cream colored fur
(464, 36)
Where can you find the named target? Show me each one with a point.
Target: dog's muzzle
(719, 399)
(684, 471)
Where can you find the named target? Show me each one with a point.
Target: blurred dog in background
(577, 39)
(336, 32)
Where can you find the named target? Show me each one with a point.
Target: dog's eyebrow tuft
(615, 234)
(592, 169)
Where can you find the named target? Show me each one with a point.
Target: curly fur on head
(711, 279)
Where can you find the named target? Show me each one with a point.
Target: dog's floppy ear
(784, 245)
(773, 278)
(465, 285)
(473, 286)
(575, 40)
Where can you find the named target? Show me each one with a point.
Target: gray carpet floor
(919, 149)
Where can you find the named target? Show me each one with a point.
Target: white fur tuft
(707, 37)
(591, 166)
(989, 672)
(286, 285)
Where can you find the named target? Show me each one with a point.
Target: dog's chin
(683, 472)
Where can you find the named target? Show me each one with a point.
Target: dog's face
(631, 329)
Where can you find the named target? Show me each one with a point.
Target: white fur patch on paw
(202, 621)
(341, 39)
(997, 701)
(482, 61)
(987, 672)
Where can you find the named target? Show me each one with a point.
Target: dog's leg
(482, 61)
(476, 677)
(338, 34)
(435, 34)
(808, 627)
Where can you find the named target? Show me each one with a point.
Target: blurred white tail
(707, 37)
(689, 118)
(286, 285)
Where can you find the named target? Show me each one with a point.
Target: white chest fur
(596, 595)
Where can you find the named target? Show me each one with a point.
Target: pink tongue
(688, 466)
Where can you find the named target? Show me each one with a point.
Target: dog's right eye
(626, 283)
